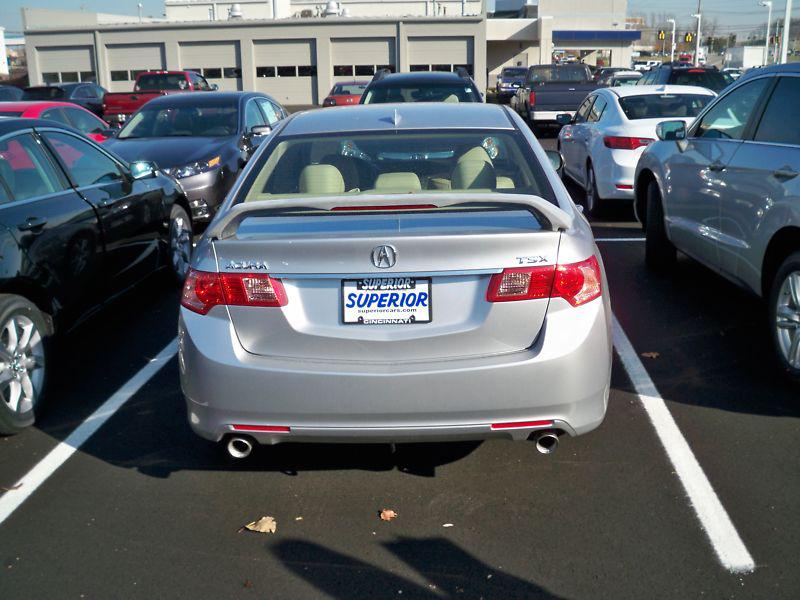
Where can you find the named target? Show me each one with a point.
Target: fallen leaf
(447, 525)
(298, 518)
(387, 514)
(263, 525)
(650, 354)
(247, 583)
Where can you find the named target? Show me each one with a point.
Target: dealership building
(295, 50)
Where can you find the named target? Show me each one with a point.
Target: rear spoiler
(226, 225)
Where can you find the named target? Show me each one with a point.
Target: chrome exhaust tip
(546, 442)
(239, 447)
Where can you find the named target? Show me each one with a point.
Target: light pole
(699, 17)
(768, 4)
(785, 39)
(672, 48)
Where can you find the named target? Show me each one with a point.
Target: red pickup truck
(117, 107)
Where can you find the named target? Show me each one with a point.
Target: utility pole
(785, 39)
(699, 17)
(672, 48)
(768, 4)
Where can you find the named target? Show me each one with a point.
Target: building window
(445, 68)
(69, 76)
(365, 69)
(307, 71)
(231, 73)
(88, 76)
(265, 71)
(343, 70)
(420, 68)
(287, 71)
(50, 77)
(213, 73)
(119, 76)
(136, 72)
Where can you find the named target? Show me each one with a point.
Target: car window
(663, 106)
(269, 110)
(161, 81)
(583, 110)
(86, 164)
(82, 121)
(25, 169)
(183, 121)
(252, 116)
(780, 123)
(728, 117)
(56, 114)
(442, 92)
(198, 82)
(596, 112)
(82, 92)
(713, 80)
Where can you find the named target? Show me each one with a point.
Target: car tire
(784, 316)
(180, 243)
(659, 251)
(24, 356)
(592, 197)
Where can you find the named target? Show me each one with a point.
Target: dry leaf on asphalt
(447, 525)
(387, 514)
(263, 525)
(650, 354)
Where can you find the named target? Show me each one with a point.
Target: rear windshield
(663, 106)
(403, 162)
(182, 121)
(351, 89)
(712, 80)
(547, 73)
(443, 92)
(42, 93)
(514, 72)
(163, 81)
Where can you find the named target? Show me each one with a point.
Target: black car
(681, 74)
(77, 226)
(9, 93)
(202, 140)
(88, 95)
(421, 86)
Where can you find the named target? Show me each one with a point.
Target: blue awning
(612, 35)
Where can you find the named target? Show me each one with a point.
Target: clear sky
(10, 9)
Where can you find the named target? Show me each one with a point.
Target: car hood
(168, 152)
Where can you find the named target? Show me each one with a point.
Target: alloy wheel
(21, 363)
(787, 319)
(180, 245)
(590, 187)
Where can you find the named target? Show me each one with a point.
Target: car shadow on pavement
(450, 572)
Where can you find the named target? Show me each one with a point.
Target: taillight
(625, 143)
(532, 98)
(578, 283)
(202, 290)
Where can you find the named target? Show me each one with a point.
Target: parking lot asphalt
(146, 509)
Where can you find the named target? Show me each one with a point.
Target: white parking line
(729, 547)
(30, 482)
(622, 239)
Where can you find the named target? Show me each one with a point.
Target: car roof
(643, 90)
(203, 98)
(417, 78)
(23, 105)
(404, 116)
(773, 70)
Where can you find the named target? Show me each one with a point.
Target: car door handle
(785, 173)
(32, 224)
(716, 166)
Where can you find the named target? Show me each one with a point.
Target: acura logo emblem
(384, 257)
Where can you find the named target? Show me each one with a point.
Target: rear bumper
(548, 115)
(616, 168)
(563, 377)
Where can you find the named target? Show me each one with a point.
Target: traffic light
(662, 35)
(688, 37)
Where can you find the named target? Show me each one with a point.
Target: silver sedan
(396, 273)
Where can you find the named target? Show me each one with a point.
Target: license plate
(386, 301)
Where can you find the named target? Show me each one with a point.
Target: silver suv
(726, 191)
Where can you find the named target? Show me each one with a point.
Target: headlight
(194, 168)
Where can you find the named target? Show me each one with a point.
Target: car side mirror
(555, 158)
(109, 133)
(142, 169)
(564, 119)
(214, 87)
(668, 131)
(259, 130)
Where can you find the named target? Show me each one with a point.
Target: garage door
(440, 53)
(125, 61)
(287, 70)
(219, 62)
(358, 58)
(66, 64)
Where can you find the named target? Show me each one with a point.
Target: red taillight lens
(202, 291)
(625, 143)
(532, 98)
(577, 283)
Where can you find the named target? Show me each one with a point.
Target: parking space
(146, 508)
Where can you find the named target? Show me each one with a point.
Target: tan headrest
(451, 98)
(321, 179)
(398, 182)
(476, 153)
(505, 183)
(473, 174)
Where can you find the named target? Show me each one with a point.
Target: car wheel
(180, 243)
(592, 201)
(659, 252)
(784, 312)
(23, 358)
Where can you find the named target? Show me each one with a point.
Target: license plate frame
(385, 285)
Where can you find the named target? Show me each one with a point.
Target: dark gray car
(202, 140)
(727, 192)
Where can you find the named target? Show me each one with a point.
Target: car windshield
(707, 78)
(515, 72)
(624, 80)
(565, 73)
(162, 81)
(402, 162)
(442, 92)
(351, 89)
(182, 121)
(663, 106)
(42, 93)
